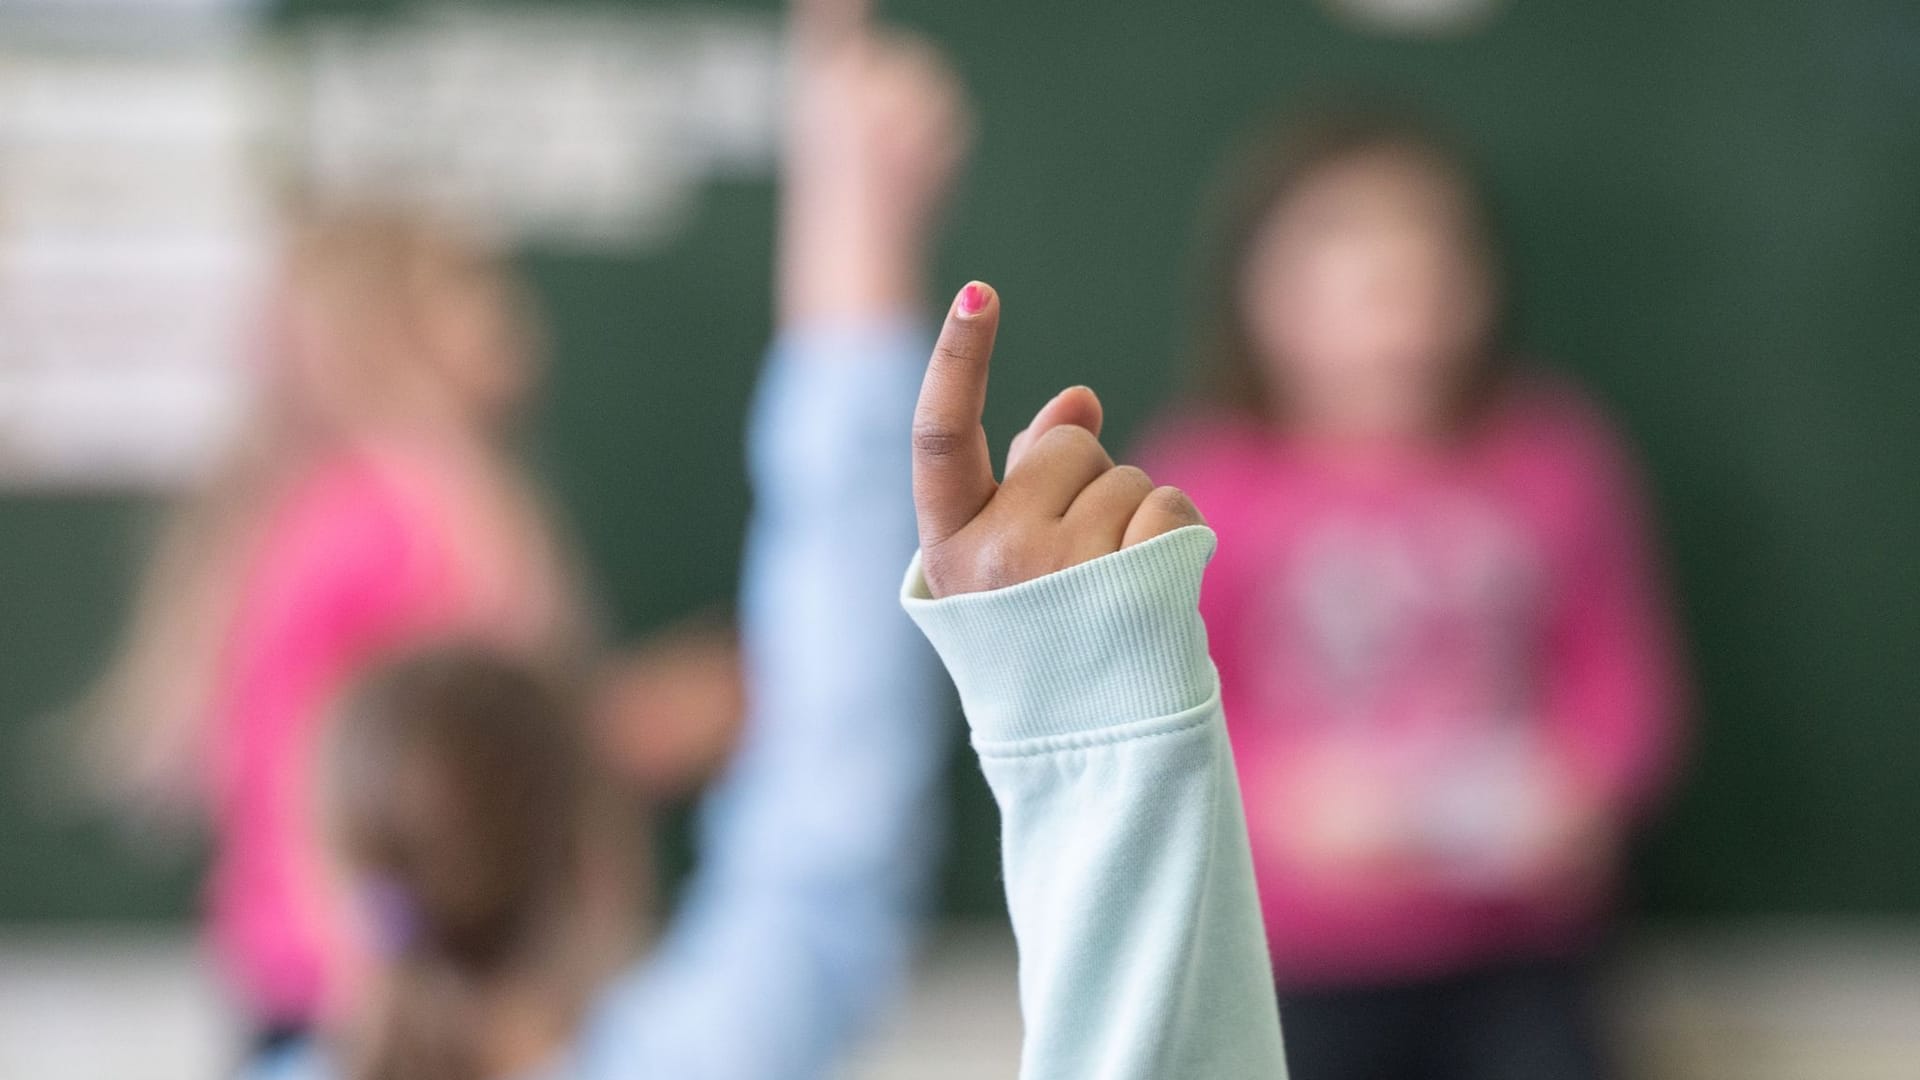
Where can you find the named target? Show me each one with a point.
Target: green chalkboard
(1715, 217)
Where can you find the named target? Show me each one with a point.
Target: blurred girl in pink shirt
(372, 505)
(1444, 652)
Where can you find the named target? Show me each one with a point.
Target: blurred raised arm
(817, 848)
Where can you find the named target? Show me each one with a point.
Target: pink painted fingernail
(973, 299)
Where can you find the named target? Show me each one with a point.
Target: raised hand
(1064, 501)
(877, 128)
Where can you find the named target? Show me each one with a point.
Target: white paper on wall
(142, 143)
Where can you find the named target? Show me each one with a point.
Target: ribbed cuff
(1099, 645)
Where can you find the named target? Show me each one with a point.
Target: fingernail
(973, 299)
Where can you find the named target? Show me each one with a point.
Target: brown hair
(464, 799)
(1268, 173)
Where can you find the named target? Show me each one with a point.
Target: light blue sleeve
(816, 850)
(1096, 714)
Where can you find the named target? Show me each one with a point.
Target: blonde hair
(361, 277)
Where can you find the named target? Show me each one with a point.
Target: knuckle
(1132, 478)
(1072, 442)
(1080, 439)
(935, 439)
(953, 350)
(1175, 504)
(1062, 434)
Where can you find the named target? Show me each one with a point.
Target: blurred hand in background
(878, 130)
(670, 710)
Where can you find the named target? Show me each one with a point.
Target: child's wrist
(844, 286)
(1108, 642)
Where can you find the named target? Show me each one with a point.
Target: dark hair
(1271, 170)
(462, 795)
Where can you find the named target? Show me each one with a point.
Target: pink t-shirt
(1441, 616)
(356, 562)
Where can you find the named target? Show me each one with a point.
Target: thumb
(1076, 405)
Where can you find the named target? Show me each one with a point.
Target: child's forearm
(1096, 714)
(817, 845)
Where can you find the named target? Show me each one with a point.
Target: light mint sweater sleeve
(1096, 714)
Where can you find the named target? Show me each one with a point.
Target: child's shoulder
(375, 496)
(1550, 417)
(381, 474)
(1197, 441)
(1553, 437)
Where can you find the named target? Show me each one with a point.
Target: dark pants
(1518, 1021)
(272, 1039)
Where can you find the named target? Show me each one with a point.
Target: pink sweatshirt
(1439, 617)
(356, 562)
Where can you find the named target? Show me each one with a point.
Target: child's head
(485, 858)
(1356, 289)
(383, 315)
(379, 319)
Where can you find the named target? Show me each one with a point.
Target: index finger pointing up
(952, 473)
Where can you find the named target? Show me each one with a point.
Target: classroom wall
(1715, 226)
